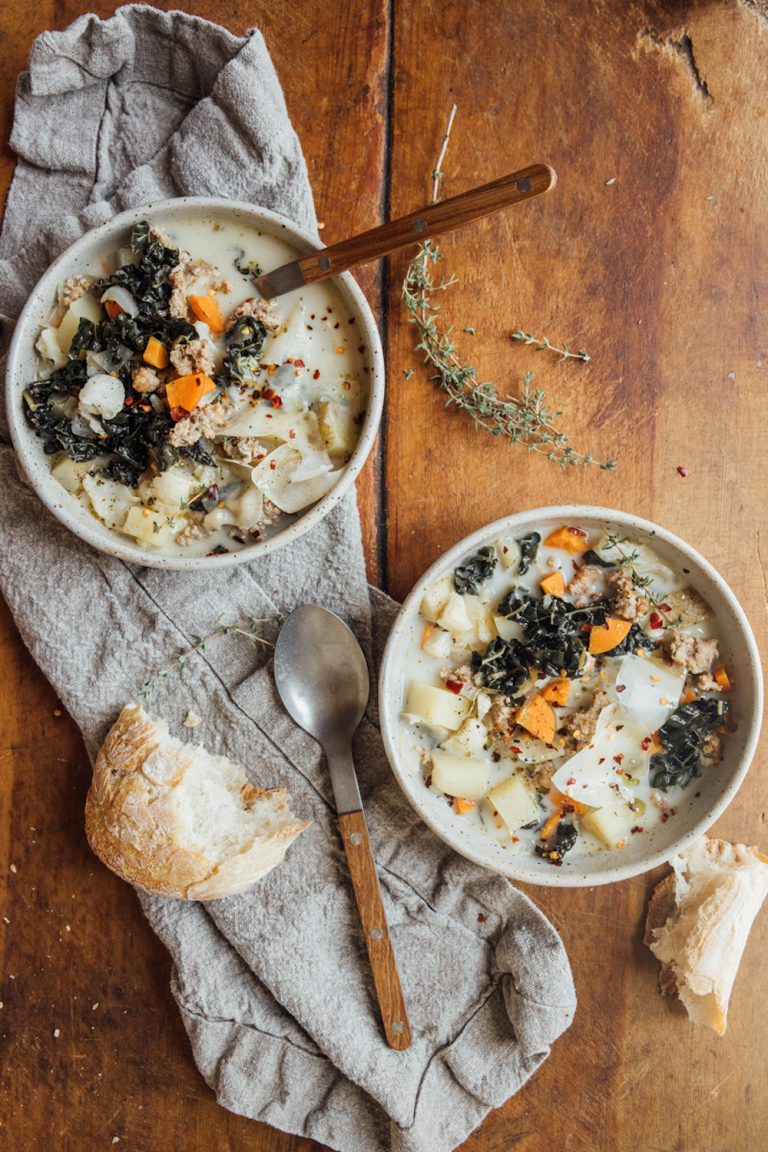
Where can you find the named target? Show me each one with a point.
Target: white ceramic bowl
(22, 367)
(714, 789)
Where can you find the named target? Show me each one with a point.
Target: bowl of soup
(168, 415)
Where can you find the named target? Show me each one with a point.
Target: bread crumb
(56, 1033)
(13, 868)
(67, 928)
(192, 719)
(57, 712)
(94, 1006)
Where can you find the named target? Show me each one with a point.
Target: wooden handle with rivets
(411, 229)
(365, 881)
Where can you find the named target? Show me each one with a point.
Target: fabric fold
(273, 986)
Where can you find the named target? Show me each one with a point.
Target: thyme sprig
(544, 345)
(627, 560)
(184, 506)
(250, 627)
(523, 419)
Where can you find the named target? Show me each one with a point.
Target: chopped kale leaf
(529, 546)
(682, 738)
(475, 571)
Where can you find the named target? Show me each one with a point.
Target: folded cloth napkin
(273, 985)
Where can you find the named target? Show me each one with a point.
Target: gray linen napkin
(273, 985)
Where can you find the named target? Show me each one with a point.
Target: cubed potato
(462, 776)
(455, 616)
(611, 825)
(435, 598)
(110, 500)
(436, 705)
(70, 473)
(435, 641)
(507, 629)
(337, 427)
(515, 802)
(149, 527)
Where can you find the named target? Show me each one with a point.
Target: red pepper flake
(645, 744)
(299, 363)
(656, 620)
(177, 414)
(578, 532)
(621, 687)
(664, 817)
(637, 828)
(268, 393)
(323, 317)
(291, 434)
(454, 686)
(570, 781)
(619, 727)
(276, 402)
(618, 759)
(515, 839)
(682, 471)
(272, 465)
(665, 607)
(505, 549)
(480, 918)
(130, 401)
(601, 761)
(515, 749)
(316, 374)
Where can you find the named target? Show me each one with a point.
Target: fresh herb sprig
(544, 345)
(523, 419)
(250, 627)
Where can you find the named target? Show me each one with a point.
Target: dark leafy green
(56, 433)
(244, 341)
(555, 633)
(475, 571)
(503, 667)
(683, 738)
(635, 640)
(594, 558)
(555, 848)
(529, 546)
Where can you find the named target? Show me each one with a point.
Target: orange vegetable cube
(722, 678)
(206, 308)
(553, 585)
(556, 692)
(573, 540)
(560, 799)
(463, 806)
(187, 391)
(112, 309)
(156, 353)
(604, 637)
(537, 716)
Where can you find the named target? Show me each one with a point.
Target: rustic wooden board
(661, 276)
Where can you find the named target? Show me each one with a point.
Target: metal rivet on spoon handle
(322, 679)
(416, 226)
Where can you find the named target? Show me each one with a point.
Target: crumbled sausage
(202, 422)
(192, 530)
(625, 599)
(183, 278)
(249, 449)
(705, 682)
(689, 652)
(501, 715)
(74, 288)
(145, 380)
(582, 588)
(193, 356)
(580, 726)
(712, 749)
(264, 311)
(540, 775)
(462, 675)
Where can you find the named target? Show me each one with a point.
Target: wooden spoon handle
(410, 229)
(365, 881)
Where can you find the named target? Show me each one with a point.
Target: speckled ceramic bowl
(22, 367)
(693, 815)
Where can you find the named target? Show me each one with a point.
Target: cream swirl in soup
(182, 410)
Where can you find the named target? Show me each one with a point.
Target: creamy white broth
(499, 761)
(316, 367)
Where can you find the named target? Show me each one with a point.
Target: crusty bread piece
(698, 921)
(177, 821)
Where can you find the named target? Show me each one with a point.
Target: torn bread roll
(698, 922)
(177, 821)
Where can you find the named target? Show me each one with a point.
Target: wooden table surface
(651, 253)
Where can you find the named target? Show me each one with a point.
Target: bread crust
(698, 921)
(134, 822)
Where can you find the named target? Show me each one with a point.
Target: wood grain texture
(424, 223)
(651, 254)
(378, 942)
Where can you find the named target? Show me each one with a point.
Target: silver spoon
(322, 679)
